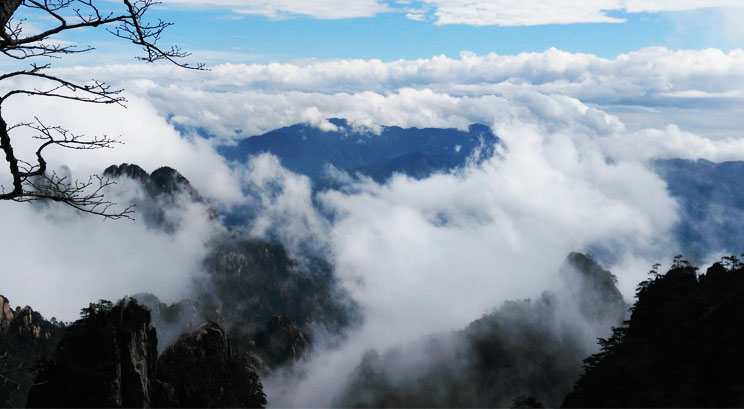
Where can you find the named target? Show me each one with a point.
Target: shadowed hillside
(109, 359)
(528, 349)
(682, 346)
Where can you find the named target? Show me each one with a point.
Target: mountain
(109, 358)
(162, 190)
(162, 181)
(307, 150)
(254, 282)
(267, 302)
(204, 371)
(682, 346)
(711, 205)
(25, 338)
(527, 351)
(106, 359)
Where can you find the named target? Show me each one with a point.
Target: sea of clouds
(420, 256)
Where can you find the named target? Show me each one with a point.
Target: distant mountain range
(711, 203)
(305, 149)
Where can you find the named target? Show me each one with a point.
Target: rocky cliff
(201, 370)
(25, 337)
(164, 196)
(525, 351)
(109, 358)
(682, 346)
(106, 359)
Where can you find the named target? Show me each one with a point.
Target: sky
(280, 31)
(583, 93)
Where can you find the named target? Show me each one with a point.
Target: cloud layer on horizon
(650, 88)
(469, 12)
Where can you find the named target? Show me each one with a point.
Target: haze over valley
(366, 226)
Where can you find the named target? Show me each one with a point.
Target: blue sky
(393, 36)
(228, 34)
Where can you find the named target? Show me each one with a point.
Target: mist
(58, 260)
(420, 256)
(432, 255)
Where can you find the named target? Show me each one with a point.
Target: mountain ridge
(306, 149)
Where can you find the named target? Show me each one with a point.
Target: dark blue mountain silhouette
(711, 201)
(711, 205)
(416, 152)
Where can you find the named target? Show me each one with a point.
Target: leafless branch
(31, 179)
(36, 183)
(6, 379)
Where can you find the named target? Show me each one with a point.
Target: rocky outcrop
(267, 302)
(165, 190)
(594, 288)
(106, 359)
(109, 358)
(249, 282)
(131, 171)
(203, 371)
(167, 180)
(25, 337)
(682, 346)
(521, 354)
(282, 341)
(6, 314)
(162, 181)
(254, 282)
(277, 342)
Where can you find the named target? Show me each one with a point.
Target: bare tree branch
(31, 179)
(6, 379)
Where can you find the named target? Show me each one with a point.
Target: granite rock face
(25, 337)
(164, 197)
(6, 314)
(203, 371)
(106, 359)
(282, 341)
(164, 180)
(109, 358)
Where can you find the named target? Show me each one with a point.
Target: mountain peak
(416, 152)
(339, 122)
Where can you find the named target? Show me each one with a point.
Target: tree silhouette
(31, 178)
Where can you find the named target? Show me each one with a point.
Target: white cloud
(522, 13)
(648, 88)
(668, 81)
(672, 142)
(538, 12)
(431, 255)
(58, 260)
(322, 9)
(282, 206)
(147, 140)
(470, 12)
(648, 73)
